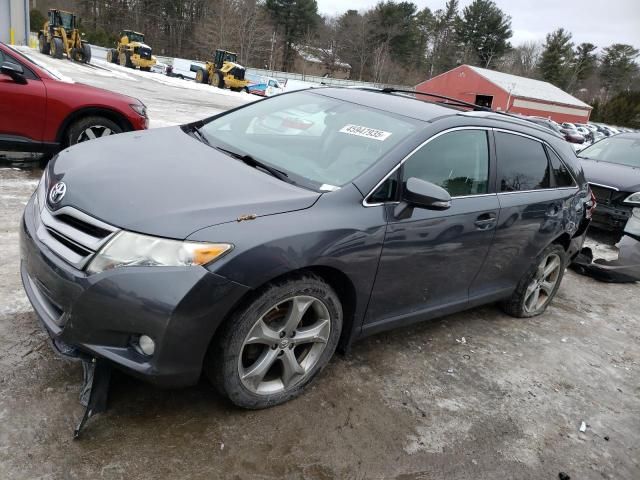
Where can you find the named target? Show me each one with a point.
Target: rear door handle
(486, 221)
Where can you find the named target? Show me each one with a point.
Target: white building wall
(14, 21)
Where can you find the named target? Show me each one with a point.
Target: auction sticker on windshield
(366, 132)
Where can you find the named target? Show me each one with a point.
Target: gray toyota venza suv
(252, 244)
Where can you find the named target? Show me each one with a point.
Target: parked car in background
(185, 69)
(263, 86)
(261, 251)
(570, 135)
(612, 168)
(159, 67)
(40, 112)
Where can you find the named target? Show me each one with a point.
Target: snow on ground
(169, 101)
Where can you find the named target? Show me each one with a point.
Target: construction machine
(60, 36)
(223, 72)
(131, 51)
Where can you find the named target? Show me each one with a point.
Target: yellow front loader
(132, 52)
(223, 72)
(60, 36)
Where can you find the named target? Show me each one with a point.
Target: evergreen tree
(618, 67)
(484, 30)
(293, 18)
(557, 58)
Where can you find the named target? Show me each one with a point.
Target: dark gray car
(252, 244)
(612, 167)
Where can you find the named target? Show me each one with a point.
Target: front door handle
(486, 221)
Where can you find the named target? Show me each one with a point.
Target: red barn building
(508, 93)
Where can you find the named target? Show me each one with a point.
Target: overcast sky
(601, 22)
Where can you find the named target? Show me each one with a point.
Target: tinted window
(522, 163)
(385, 192)
(561, 175)
(456, 161)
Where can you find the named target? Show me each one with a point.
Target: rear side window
(522, 163)
(561, 175)
(457, 161)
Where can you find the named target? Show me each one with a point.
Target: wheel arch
(335, 278)
(563, 240)
(106, 112)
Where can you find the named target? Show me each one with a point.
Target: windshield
(323, 140)
(66, 20)
(621, 150)
(135, 37)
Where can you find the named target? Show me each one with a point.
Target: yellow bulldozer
(223, 72)
(60, 36)
(131, 51)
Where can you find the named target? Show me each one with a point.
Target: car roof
(419, 109)
(403, 105)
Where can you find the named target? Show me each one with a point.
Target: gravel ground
(473, 395)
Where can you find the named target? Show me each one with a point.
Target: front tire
(86, 52)
(217, 80)
(56, 47)
(90, 128)
(539, 285)
(270, 350)
(45, 47)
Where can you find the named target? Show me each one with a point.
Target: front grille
(145, 53)
(71, 234)
(603, 194)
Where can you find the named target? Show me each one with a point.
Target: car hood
(624, 178)
(164, 182)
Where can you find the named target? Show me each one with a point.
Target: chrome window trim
(575, 186)
(365, 203)
(603, 186)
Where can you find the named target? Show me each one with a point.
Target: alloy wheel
(284, 345)
(543, 284)
(93, 132)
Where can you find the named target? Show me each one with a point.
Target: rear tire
(56, 47)
(539, 285)
(89, 128)
(301, 318)
(202, 76)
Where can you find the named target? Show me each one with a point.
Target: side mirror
(16, 72)
(422, 194)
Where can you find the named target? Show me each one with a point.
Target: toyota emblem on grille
(56, 194)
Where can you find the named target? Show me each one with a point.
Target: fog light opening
(145, 345)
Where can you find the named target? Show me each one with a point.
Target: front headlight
(140, 109)
(633, 198)
(132, 249)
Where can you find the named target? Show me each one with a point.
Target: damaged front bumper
(626, 268)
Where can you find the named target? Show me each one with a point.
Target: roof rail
(449, 100)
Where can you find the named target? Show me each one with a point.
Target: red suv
(40, 112)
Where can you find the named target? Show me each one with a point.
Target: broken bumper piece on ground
(95, 388)
(624, 269)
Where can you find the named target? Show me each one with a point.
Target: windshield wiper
(200, 136)
(249, 160)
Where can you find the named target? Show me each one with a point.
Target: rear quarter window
(522, 163)
(561, 175)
